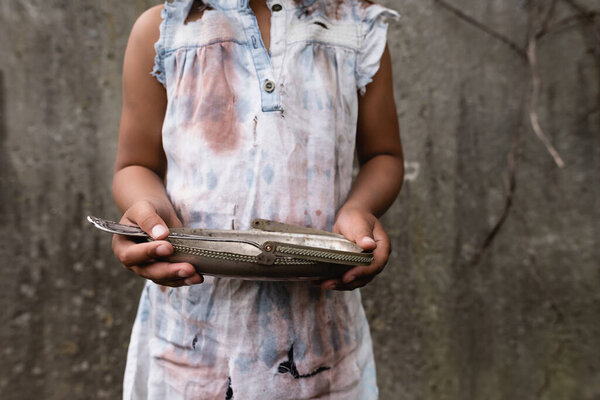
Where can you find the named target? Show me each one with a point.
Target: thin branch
(578, 7)
(514, 46)
(592, 16)
(508, 202)
(564, 23)
(548, 17)
(535, 90)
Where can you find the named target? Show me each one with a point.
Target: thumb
(145, 216)
(362, 234)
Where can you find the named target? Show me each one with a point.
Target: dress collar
(243, 4)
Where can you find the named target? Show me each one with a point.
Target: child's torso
(256, 134)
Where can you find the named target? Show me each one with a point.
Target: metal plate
(269, 251)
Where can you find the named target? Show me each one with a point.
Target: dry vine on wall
(541, 22)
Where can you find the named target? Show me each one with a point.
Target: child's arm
(379, 179)
(138, 184)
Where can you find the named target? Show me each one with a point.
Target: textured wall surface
(460, 313)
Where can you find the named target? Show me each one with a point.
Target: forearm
(377, 185)
(134, 183)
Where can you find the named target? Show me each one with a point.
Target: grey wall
(519, 320)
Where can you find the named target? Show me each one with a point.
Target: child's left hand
(363, 228)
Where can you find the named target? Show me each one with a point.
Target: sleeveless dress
(256, 134)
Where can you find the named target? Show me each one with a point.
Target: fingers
(169, 274)
(381, 255)
(338, 284)
(144, 214)
(194, 280)
(147, 259)
(131, 253)
(144, 259)
(141, 258)
(357, 226)
(349, 283)
(361, 275)
(166, 273)
(331, 284)
(366, 242)
(361, 232)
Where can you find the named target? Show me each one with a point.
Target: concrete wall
(519, 320)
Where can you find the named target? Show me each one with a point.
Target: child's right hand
(144, 259)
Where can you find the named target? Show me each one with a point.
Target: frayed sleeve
(373, 27)
(159, 48)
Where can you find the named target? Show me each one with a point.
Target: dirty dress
(256, 134)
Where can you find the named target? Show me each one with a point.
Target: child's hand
(363, 228)
(144, 258)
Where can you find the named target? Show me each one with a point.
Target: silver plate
(269, 251)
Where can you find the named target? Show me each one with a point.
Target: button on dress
(256, 134)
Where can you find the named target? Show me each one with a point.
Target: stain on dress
(289, 366)
(209, 106)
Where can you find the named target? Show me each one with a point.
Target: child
(253, 111)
